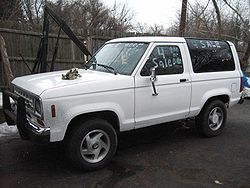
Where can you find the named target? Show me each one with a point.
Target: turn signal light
(241, 84)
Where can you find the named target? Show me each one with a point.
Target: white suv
(128, 84)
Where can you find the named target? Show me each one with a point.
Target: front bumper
(27, 130)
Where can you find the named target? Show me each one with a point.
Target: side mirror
(153, 75)
(153, 78)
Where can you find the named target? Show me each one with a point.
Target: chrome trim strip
(30, 100)
(37, 129)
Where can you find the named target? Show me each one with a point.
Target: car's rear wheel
(212, 119)
(92, 144)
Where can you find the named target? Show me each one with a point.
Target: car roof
(149, 39)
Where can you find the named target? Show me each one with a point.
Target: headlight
(38, 107)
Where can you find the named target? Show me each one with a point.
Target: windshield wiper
(109, 68)
(94, 63)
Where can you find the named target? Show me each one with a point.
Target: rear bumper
(18, 117)
(247, 91)
(245, 95)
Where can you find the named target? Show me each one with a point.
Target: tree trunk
(217, 10)
(182, 27)
(244, 60)
(6, 75)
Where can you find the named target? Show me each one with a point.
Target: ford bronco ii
(128, 84)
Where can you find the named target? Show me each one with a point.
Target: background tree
(217, 10)
(220, 19)
(223, 19)
(32, 10)
(11, 10)
(183, 18)
(120, 18)
(246, 30)
(156, 29)
(93, 15)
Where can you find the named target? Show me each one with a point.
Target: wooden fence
(26, 43)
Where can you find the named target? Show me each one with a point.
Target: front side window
(122, 58)
(210, 56)
(165, 59)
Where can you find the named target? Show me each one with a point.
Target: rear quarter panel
(210, 84)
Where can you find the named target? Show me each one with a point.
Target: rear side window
(210, 55)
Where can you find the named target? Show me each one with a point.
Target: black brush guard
(26, 129)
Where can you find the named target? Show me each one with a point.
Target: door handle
(183, 80)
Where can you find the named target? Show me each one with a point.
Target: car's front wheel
(92, 144)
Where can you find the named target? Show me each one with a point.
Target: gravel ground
(166, 155)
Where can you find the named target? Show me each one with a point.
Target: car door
(172, 84)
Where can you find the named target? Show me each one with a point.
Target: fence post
(89, 42)
(72, 50)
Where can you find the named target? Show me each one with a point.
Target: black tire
(211, 125)
(85, 138)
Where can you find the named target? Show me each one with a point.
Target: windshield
(120, 58)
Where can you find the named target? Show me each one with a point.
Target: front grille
(28, 98)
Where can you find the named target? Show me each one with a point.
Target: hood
(38, 83)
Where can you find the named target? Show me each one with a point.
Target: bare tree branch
(240, 16)
(192, 10)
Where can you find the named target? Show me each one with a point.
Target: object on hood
(72, 74)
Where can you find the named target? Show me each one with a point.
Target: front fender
(90, 108)
(70, 111)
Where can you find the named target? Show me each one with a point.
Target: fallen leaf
(218, 182)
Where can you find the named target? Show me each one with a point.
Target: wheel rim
(215, 118)
(95, 146)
